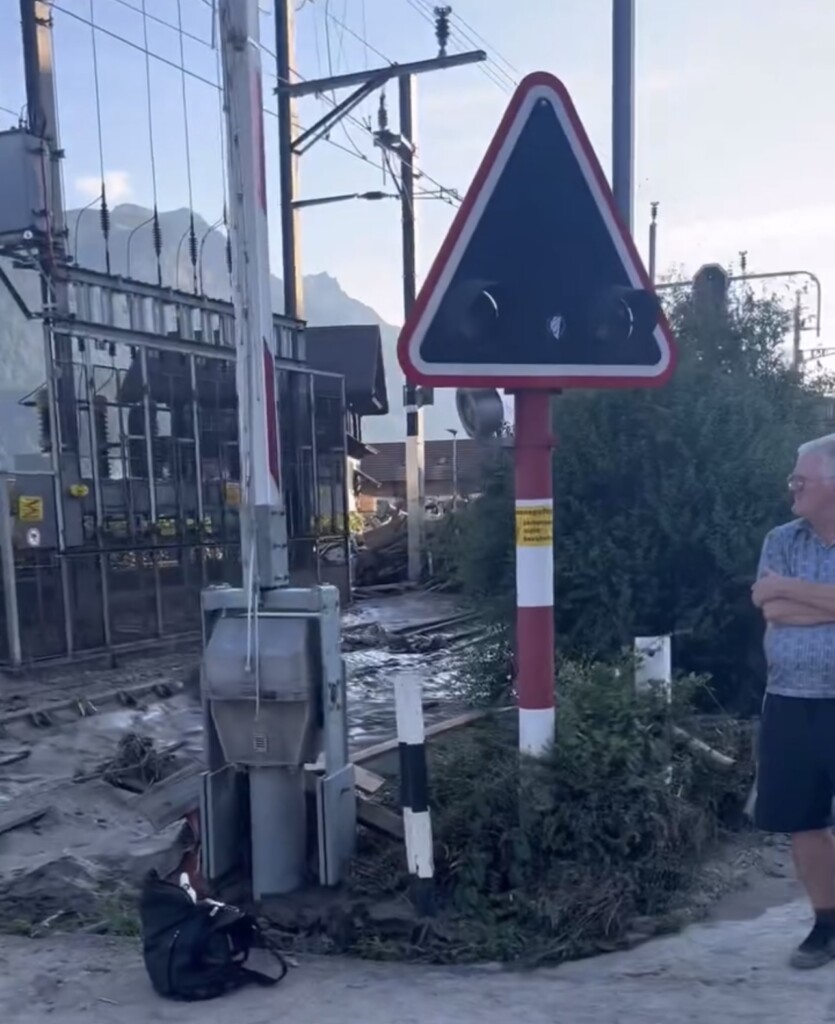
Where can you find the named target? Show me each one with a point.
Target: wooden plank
(438, 729)
(368, 782)
(172, 799)
(179, 794)
(13, 758)
(379, 818)
(12, 818)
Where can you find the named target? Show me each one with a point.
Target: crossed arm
(785, 601)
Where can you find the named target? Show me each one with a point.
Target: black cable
(222, 128)
(104, 212)
(498, 76)
(450, 194)
(488, 46)
(192, 235)
(161, 21)
(157, 228)
(330, 73)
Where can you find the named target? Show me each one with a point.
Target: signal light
(472, 310)
(619, 313)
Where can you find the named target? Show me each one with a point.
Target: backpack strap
(259, 977)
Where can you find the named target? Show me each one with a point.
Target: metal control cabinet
(23, 197)
(265, 719)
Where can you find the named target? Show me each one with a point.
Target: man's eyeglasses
(797, 483)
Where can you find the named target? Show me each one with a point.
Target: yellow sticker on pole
(30, 509)
(535, 526)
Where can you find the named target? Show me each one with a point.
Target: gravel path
(732, 971)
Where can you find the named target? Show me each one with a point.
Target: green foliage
(662, 499)
(547, 861)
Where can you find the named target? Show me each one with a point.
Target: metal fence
(140, 512)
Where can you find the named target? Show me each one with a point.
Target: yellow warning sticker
(29, 509)
(535, 526)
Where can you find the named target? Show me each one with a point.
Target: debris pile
(382, 552)
(136, 765)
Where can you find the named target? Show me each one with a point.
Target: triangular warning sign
(538, 283)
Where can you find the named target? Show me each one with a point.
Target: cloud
(117, 185)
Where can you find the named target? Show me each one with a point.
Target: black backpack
(197, 949)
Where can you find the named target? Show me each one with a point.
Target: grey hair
(823, 446)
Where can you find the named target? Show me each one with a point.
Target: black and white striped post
(414, 790)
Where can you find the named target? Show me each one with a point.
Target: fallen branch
(11, 819)
(716, 757)
(18, 755)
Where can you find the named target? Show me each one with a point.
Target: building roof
(355, 352)
(388, 463)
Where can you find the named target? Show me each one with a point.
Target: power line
(150, 54)
(161, 21)
(360, 37)
(493, 71)
(486, 44)
(330, 71)
(444, 193)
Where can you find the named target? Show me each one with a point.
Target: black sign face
(538, 281)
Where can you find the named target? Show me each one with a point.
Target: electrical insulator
(192, 242)
(157, 232)
(442, 28)
(104, 215)
(102, 436)
(42, 405)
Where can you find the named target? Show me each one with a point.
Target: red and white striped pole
(535, 661)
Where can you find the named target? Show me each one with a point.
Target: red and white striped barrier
(535, 660)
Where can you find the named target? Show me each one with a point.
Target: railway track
(55, 694)
(44, 696)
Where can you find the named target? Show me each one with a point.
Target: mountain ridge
(132, 255)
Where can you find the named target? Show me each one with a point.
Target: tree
(662, 499)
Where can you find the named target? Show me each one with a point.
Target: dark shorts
(796, 770)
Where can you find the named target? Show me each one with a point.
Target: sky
(734, 121)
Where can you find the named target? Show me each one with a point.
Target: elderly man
(795, 591)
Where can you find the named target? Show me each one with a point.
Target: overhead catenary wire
(104, 212)
(157, 20)
(192, 235)
(447, 194)
(439, 192)
(157, 227)
(491, 70)
(221, 113)
(329, 52)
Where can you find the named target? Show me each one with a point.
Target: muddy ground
(721, 971)
(91, 837)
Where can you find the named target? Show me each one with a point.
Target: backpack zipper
(171, 960)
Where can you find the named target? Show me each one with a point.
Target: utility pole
(263, 526)
(288, 160)
(453, 432)
(653, 241)
(415, 466)
(276, 792)
(293, 143)
(797, 332)
(623, 106)
(42, 116)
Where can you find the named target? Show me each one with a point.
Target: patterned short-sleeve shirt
(801, 659)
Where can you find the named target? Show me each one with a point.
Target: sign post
(537, 288)
(535, 648)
